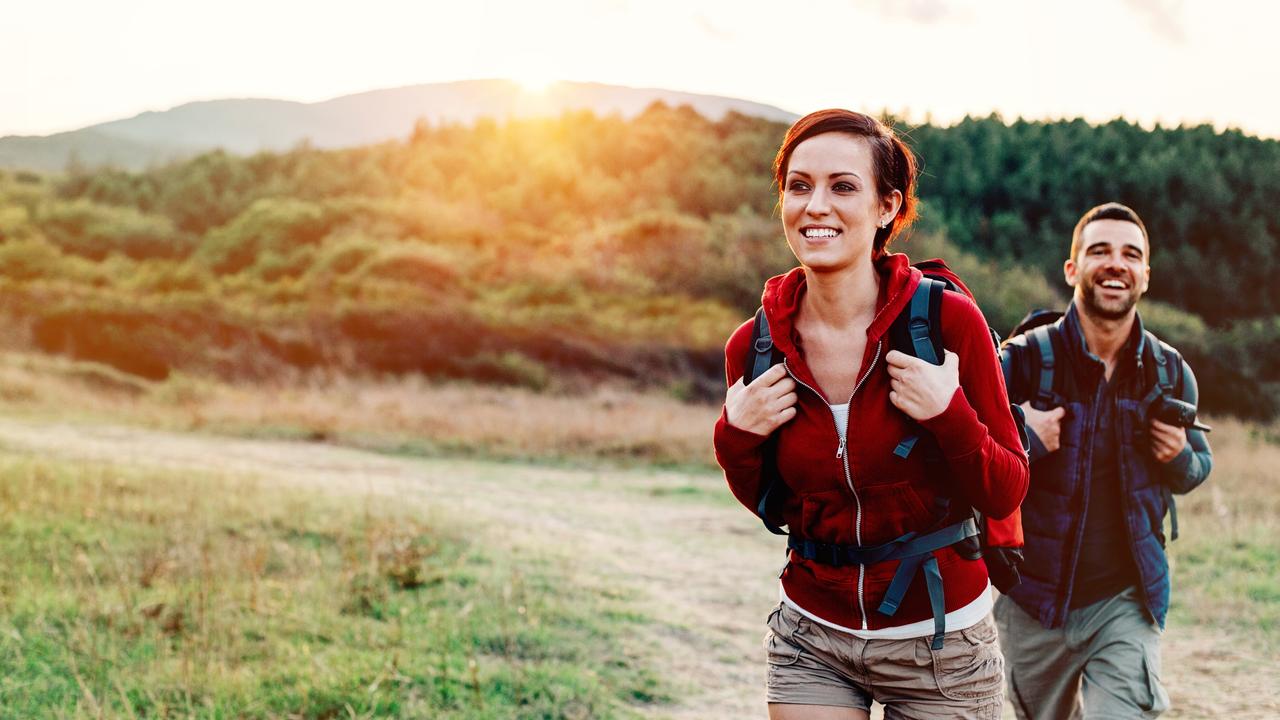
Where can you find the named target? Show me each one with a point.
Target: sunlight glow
(534, 72)
(534, 82)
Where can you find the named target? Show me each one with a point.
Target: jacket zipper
(842, 453)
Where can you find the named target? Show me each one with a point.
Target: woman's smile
(819, 234)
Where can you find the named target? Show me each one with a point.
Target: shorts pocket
(779, 642)
(970, 665)
(782, 652)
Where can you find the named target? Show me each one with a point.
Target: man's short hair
(1108, 211)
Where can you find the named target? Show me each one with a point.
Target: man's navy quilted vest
(1054, 510)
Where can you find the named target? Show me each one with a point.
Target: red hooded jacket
(867, 495)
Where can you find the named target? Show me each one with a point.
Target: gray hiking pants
(1103, 663)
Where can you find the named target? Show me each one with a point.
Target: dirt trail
(705, 569)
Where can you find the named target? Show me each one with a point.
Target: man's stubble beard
(1095, 308)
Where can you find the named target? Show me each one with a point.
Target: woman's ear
(889, 206)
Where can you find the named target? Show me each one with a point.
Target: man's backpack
(1161, 367)
(917, 331)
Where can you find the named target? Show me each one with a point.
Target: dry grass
(408, 415)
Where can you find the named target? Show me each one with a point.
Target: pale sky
(66, 64)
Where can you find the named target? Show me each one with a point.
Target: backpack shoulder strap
(1167, 362)
(761, 354)
(1166, 366)
(923, 322)
(1040, 342)
(923, 337)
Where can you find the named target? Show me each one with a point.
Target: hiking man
(1081, 632)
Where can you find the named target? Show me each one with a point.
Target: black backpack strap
(762, 355)
(1167, 369)
(774, 489)
(1040, 340)
(922, 323)
(1168, 363)
(924, 331)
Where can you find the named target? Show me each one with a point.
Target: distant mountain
(245, 126)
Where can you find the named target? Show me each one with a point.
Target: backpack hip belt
(913, 550)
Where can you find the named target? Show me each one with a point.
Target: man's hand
(764, 405)
(1166, 440)
(921, 389)
(1046, 424)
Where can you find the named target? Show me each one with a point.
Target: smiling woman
(824, 426)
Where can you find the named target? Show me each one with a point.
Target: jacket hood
(783, 294)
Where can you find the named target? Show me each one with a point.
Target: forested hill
(1211, 201)
(587, 247)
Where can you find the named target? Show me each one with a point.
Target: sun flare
(535, 84)
(534, 77)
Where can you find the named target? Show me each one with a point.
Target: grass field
(184, 593)
(194, 549)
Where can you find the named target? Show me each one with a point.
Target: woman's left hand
(921, 389)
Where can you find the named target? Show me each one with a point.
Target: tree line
(532, 250)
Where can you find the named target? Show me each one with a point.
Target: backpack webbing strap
(1153, 351)
(920, 327)
(937, 600)
(914, 552)
(1044, 345)
(919, 323)
(933, 582)
(769, 478)
(905, 447)
(1167, 369)
(761, 348)
(1173, 513)
(1164, 386)
(761, 356)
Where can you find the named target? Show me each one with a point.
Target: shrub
(85, 228)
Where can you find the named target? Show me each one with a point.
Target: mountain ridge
(249, 125)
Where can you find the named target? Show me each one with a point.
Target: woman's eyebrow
(833, 175)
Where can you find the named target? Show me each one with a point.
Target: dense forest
(568, 250)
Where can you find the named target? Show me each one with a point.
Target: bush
(85, 228)
(269, 225)
(35, 259)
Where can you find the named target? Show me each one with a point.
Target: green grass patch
(128, 593)
(1229, 581)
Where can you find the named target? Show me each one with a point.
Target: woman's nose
(819, 203)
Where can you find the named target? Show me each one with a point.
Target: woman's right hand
(764, 405)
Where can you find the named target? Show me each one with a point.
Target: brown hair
(1108, 211)
(893, 162)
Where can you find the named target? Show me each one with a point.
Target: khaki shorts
(811, 664)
